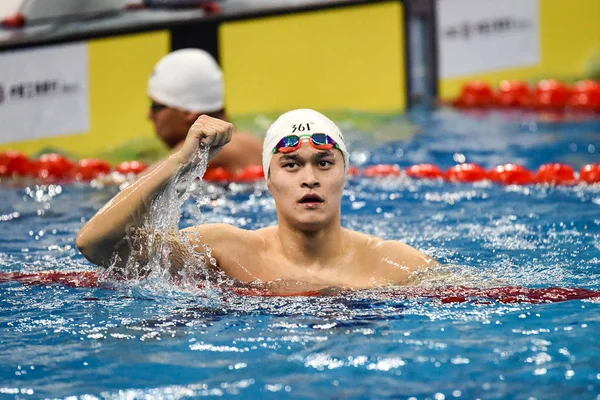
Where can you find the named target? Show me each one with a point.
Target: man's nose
(309, 178)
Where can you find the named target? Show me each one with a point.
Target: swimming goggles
(291, 143)
(156, 107)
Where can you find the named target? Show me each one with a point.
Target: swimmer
(185, 84)
(305, 161)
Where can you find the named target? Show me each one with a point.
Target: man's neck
(311, 248)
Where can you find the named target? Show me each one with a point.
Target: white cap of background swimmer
(289, 123)
(188, 79)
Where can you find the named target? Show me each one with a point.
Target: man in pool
(185, 84)
(305, 161)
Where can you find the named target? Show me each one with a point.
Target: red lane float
(507, 294)
(217, 174)
(424, 171)
(513, 93)
(91, 168)
(556, 173)
(14, 163)
(467, 172)
(252, 173)
(551, 94)
(382, 170)
(511, 174)
(590, 173)
(586, 96)
(548, 95)
(52, 166)
(55, 167)
(476, 94)
(71, 279)
(353, 171)
(131, 167)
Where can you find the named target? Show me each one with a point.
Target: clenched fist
(209, 131)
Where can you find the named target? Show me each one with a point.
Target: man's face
(307, 186)
(171, 125)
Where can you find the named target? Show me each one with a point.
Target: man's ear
(268, 180)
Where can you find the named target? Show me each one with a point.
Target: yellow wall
(337, 59)
(119, 68)
(570, 37)
(347, 58)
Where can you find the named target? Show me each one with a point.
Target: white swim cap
(303, 121)
(188, 79)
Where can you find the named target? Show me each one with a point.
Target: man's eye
(325, 163)
(290, 165)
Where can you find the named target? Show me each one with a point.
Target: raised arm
(104, 235)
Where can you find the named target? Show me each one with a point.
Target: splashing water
(162, 221)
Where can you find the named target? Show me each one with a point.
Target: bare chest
(347, 271)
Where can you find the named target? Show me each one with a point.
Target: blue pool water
(154, 340)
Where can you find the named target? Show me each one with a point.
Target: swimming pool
(154, 340)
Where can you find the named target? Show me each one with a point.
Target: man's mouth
(311, 199)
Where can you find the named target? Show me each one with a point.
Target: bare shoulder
(391, 260)
(222, 235)
(404, 254)
(238, 252)
(244, 149)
